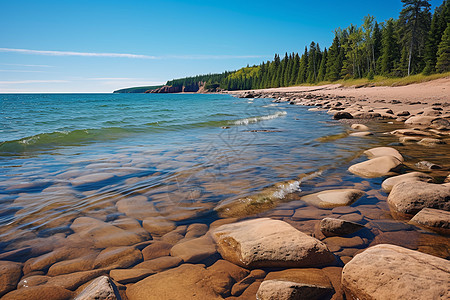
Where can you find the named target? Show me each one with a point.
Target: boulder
(383, 151)
(361, 133)
(440, 124)
(10, 273)
(376, 167)
(33, 280)
(184, 282)
(39, 292)
(434, 218)
(336, 227)
(419, 121)
(295, 284)
(388, 271)
(269, 243)
(410, 132)
(410, 197)
(101, 288)
(342, 115)
(194, 250)
(333, 198)
(74, 265)
(360, 127)
(389, 183)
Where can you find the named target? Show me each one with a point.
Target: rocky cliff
(193, 88)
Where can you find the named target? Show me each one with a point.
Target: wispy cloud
(72, 53)
(22, 65)
(127, 55)
(23, 71)
(31, 81)
(206, 57)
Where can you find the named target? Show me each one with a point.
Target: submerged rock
(383, 151)
(387, 271)
(342, 115)
(295, 284)
(389, 183)
(184, 282)
(410, 197)
(426, 165)
(10, 273)
(360, 127)
(39, 292)
(434, 218)
(336, 227)
(269, 243)
(333, 198)
(376, 167)
(194, 250)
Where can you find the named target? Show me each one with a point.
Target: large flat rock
(269, 243)
(184, 282)
(434, 218)
(333, 198)
(376, 167)
(383, 151)
(389, 183)
(393, 272)
(410, 197)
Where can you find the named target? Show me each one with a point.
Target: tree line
(417, 42)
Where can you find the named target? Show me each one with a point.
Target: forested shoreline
(417, 42)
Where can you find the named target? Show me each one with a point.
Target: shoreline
(184, 263)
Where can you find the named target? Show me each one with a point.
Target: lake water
(175, 157)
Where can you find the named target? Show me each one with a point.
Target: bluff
(196, 87)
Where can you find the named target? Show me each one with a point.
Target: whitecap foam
(286, 189)
(247, 121)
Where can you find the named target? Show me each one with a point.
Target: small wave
(59, 138)
(247, 121)
(287, 188)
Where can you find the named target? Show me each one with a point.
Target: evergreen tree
(414, 18)
(443, 54)
(377, 37)
(333, 67)
(323, 66)
(438, 25)
(301, 78)
(389, 48)
(295, 68)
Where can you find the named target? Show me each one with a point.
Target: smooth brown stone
(45, 261)
(269, 243)
(386, 270)
(156, 249)
(118, 257)
(15, 255)
(389, 183)
(10, 273)
(432, 218)
(355, 241)
(334, 274)
(196, 230)
(333, 198)
(125, 276)
(194, 250)
(39, 292)
(132, 225)
(352, 217)
(74, 280)
(309, 213)
(376, 167)
(137, 207)
(184, 282)
(158, 225)
(408, 239)
(336, 227)
(344, 210)
(33, 280)
(383, 151)
(74, 265)
(160, 264)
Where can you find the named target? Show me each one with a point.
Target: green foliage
(443, 60)
(139, 89)
(413, 43)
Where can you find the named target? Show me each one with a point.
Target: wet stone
(118, 257)
(156, 249)
(39, 292)
(125, 276)
(194, 250)
(10, 273)
(336, 227)
(432, 218)
(160, 264)
(333, 198)
(101, 288)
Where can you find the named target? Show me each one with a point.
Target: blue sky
(100, 46)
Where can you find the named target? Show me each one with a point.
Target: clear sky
(100, 46)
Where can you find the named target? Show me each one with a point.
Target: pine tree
(443, 54)
(389, 48)
(295, 68)
(414, 18)
(333, 68)
(377, 37)
(438, 25)
(301, 78)
(323, 66)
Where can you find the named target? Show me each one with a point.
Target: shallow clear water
(67, 156)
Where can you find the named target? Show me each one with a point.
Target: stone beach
(377, 227)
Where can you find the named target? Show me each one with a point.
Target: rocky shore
(317, 246)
